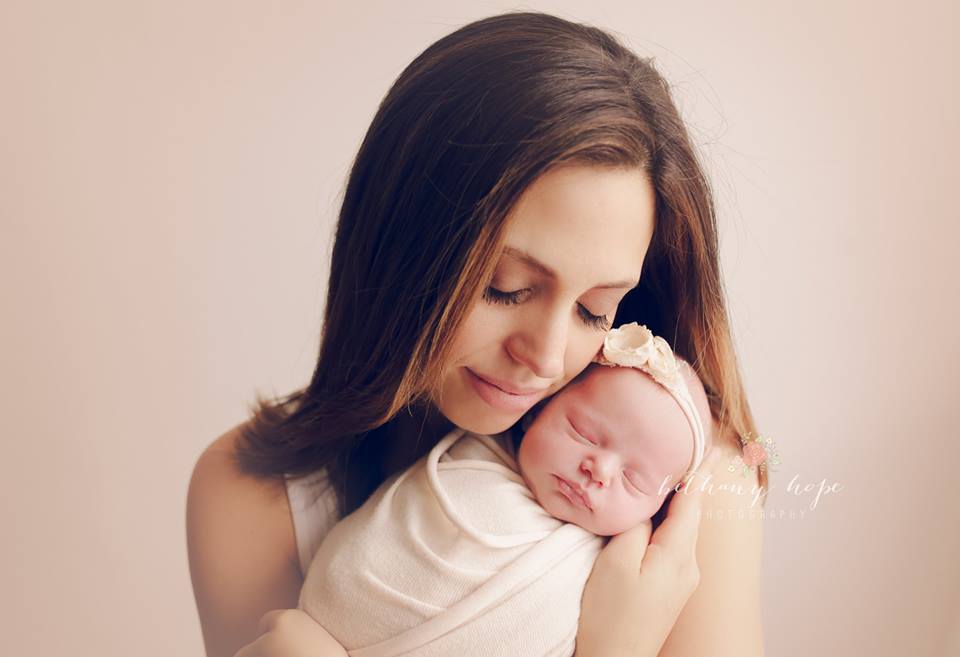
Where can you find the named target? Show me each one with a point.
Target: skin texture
(590, 226)
(617, 434)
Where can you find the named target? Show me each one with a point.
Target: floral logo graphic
(759, 454)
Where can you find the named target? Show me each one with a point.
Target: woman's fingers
(626, 550)
(269, 620)
(264, 644)
(677, 534)
(251, 649)
(672, 553)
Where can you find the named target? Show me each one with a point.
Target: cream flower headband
(634, 345)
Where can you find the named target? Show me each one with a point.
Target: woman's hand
(637, 590)
(291, 633)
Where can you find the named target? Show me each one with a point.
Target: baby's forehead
(639, 414)
(627, 387)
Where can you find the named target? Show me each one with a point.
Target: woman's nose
(541, 345)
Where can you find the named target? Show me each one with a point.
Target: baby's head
(619, 436)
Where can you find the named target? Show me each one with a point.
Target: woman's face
(606, 450)
(574, 246)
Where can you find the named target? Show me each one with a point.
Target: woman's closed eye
(493, 295)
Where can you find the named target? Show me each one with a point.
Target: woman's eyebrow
(532, 262)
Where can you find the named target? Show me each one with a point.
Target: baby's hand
(291, 633)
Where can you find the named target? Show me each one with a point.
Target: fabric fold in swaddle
(453, 556)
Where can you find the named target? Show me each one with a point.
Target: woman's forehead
(585, 223)
(530, 261)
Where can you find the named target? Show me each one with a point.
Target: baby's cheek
(645, 508)
(656, 503)
(535, 451)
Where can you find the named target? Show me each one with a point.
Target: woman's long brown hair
(463, 131)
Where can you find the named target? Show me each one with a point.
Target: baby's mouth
(573, 493)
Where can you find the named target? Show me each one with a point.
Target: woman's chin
(489, 426)
(487, 423)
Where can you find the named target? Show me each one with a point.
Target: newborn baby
(481, 549)
(605, 451)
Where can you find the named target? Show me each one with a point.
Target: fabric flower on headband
(634, 345)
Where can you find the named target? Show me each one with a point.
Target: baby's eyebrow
(533, 263)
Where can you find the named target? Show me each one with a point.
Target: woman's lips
(571, 493)
(500, 399)
(509, 387)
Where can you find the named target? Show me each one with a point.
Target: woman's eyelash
(493, 295)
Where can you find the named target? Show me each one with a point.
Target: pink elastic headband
(634, 345)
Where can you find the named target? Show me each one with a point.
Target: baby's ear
(699, 395)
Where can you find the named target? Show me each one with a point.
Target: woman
(526, 183)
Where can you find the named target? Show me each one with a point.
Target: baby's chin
(611, 529)
(598, 525)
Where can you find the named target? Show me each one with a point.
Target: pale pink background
(170, 175)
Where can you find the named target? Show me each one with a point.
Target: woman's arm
(722, 617)
(241, 548)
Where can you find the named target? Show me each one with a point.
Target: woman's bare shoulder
(241, 547)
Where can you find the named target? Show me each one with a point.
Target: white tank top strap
(314, 512)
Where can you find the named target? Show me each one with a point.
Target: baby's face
(620, 437)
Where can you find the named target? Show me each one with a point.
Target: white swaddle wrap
(452, 557)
